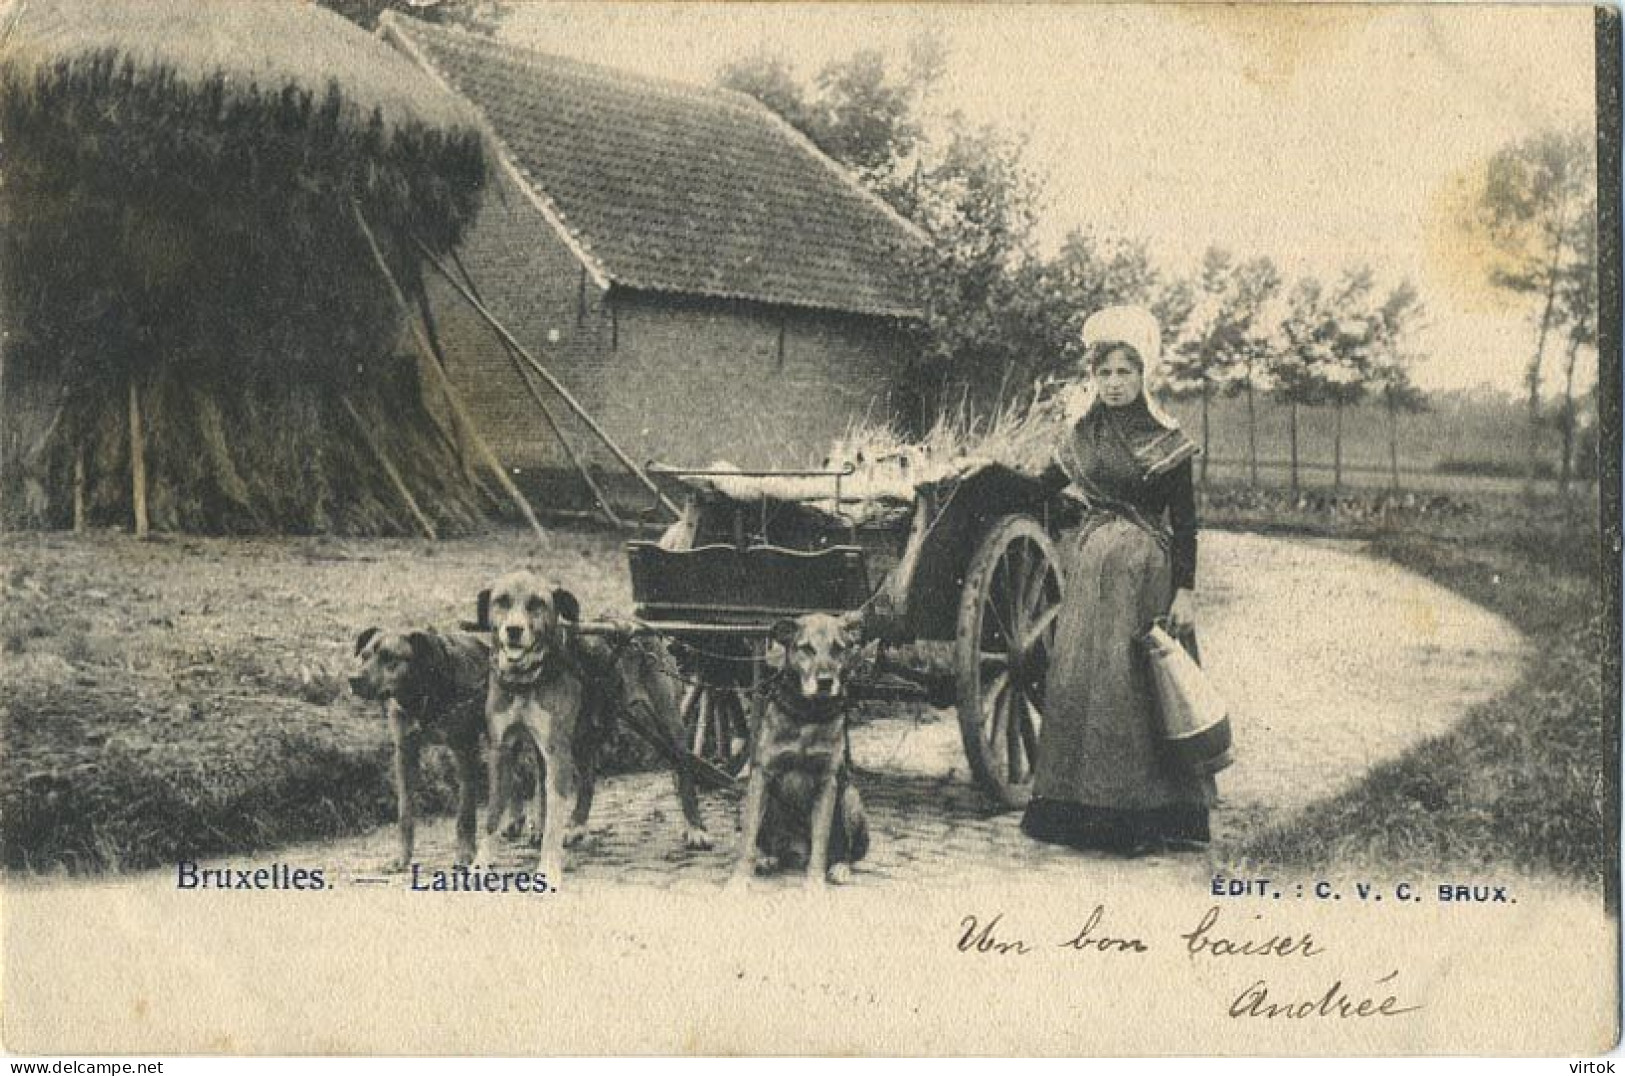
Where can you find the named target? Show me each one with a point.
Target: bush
(1495, 468)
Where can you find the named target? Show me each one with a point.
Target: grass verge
(1523, 781)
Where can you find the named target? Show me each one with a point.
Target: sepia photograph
(888, 529)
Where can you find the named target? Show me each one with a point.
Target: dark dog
(800, 806)
(432, 688)
(564, 693)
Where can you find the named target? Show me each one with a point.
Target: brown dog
(800, 806)
(432, 688)
(565, 692)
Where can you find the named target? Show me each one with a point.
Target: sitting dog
(800, 806)
(565, 692)
(432, 688)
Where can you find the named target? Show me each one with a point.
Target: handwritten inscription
(1335, 1003)
(1088, 938)
(985, 937)
(981, 938)
(1208, 939)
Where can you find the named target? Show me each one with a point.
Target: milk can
(1195, 721)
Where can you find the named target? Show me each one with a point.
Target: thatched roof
(181, 225)
(267, 44)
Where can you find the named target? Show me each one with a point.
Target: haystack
(884, 469)
(195, 316)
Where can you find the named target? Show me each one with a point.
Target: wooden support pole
(547, 412)
(432, 333)
(138, 462)
(553, 382)
(389, 469)
(459, 411)
(569, 449)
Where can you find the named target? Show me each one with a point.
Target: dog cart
(955, 576)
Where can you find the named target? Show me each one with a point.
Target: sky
(1321, 135)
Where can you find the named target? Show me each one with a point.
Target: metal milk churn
(1195, 720)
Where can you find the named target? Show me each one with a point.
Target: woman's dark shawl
(1126, 445)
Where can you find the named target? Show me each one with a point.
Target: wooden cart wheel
(1006, 629)
(718, 730)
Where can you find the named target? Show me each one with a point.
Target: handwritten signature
(1205, 941)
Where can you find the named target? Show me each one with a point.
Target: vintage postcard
(883, 529)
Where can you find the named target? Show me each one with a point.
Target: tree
(1091, 272)
(990, 304)
(992, 309)
(1392, 357)
(768, 78)
(1304, 351)
(1248, 321)
(1530, 207)
(1344, 371)
(1193, 361)
(858, 110)
(1576, 308)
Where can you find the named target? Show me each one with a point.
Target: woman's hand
(1182, 613)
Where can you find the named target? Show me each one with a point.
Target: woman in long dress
(1102, 780)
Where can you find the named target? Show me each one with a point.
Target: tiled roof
(662, 186)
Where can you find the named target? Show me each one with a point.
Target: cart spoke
(701, 719)
(1018, 718)
(1006, 637)
(719, 719)
(1032, 719)
(997, 735)
(1016, 593)
(738, 740)
(1035, 636)
(1035, 588)
(993, 697)
(1043, 592)
(996, 586)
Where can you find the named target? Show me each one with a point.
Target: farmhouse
(700, 277)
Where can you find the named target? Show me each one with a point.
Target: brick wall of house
(679, 379)
(756, 386)
(536, 288)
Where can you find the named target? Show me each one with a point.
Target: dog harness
(550, 665)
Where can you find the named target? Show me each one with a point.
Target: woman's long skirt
(1102, 780)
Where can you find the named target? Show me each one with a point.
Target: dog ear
(364, 638)
(566, 606)
(852, 626)
(784, 632)
(482, 610)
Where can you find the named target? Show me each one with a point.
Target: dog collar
(803, 709)
(548, 665)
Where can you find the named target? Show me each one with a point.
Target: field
(187, 695)
(1483, 431)
(145, 714)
